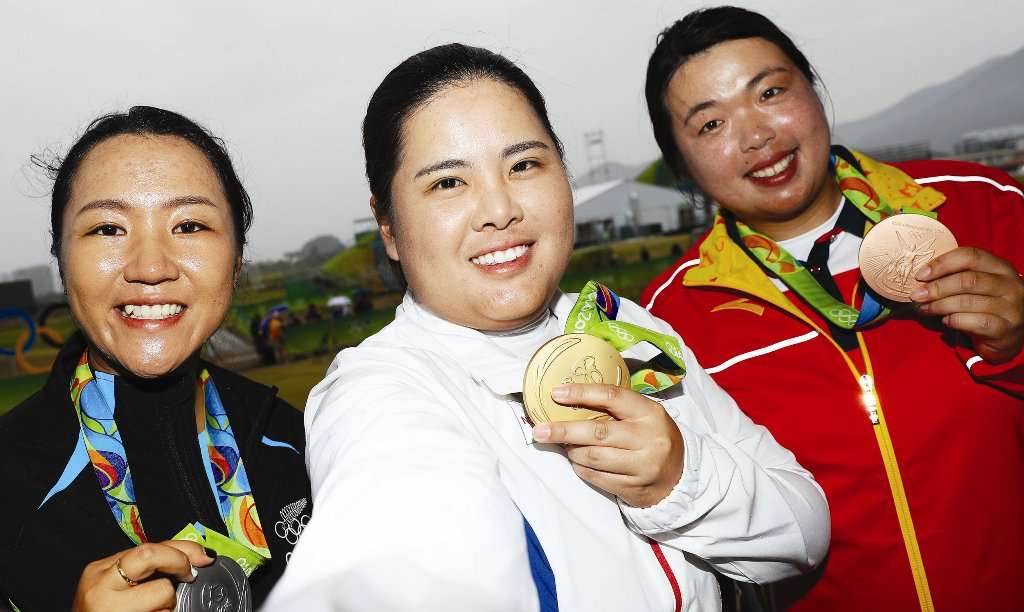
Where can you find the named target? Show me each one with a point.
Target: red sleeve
(985, 209)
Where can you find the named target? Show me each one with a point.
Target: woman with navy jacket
(136, 444)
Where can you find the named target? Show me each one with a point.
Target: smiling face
(754, 136)
(148, 253)
(482, 210)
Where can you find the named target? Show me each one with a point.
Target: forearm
(753, 522)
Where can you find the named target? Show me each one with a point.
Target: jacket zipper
(892, 471)
(876, 416)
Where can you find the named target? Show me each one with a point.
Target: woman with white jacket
(433, 490)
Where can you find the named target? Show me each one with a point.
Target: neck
(820, 209)
(99, 363)
(533, 323)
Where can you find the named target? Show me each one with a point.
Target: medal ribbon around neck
(857, 190)
(594, 314)
(110, 464)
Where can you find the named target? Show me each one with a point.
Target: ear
(238, 271)
(386, 231)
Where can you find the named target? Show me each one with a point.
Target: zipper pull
(867, 387)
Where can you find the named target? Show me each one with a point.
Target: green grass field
(293, 380)
(14, 390)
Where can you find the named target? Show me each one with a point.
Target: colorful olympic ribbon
(595, 314)
(110, 464)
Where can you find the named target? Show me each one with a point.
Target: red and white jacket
(927, 503)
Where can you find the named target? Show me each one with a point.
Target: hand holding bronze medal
(895, 249)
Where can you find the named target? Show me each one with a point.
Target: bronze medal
(572, 358)
(895, 249)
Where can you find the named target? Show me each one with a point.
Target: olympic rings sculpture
(27, 337)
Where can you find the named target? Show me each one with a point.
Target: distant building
(901, 152)
(363, 227)
(40, 276)
(1006, 137)
(624, 208)
(1001, 147)
(17, 294)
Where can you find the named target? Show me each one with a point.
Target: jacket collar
(723, 263)
(236, 393)
(483, 357)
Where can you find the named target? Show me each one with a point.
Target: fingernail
(211, 553)
(541, 432)
(919, 294)
(195, 572)
(559, 393)
(923, 273)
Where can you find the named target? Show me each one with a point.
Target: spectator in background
(259, 340)
(275, 336)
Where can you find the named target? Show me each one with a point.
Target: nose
(150, 261)
(497, 208)
(755, 136)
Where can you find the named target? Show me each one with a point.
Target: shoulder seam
(686, 264)
(969, 179)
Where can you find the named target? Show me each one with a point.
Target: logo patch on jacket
(292, 522)
(740, 304)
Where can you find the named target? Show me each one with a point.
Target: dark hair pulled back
(145, 120)
(693, 34)
(412, 84)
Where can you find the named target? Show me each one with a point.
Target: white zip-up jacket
(423, 475)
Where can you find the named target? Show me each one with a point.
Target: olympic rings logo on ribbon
(27, 337)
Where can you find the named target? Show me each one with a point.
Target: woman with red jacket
(910, 417)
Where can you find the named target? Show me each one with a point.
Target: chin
(149, 360)
(516, 307)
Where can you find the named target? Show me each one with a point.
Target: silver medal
(219, 587)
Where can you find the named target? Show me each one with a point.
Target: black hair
(693, 34)
(145, 120)
(412, 84)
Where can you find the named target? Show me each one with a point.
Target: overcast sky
(286, 83)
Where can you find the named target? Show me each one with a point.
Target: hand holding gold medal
(579, 392)
(572, 358)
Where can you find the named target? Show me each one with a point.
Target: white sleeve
(409, 512)
(743, 503)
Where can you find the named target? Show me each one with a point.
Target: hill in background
(989, 95)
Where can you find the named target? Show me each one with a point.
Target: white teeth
(151, 311)
(499, 257)
(771, 171)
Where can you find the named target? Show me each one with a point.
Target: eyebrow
(442, 165)
(760, 76)
(121, 205)
(523, 146)
(508, 151)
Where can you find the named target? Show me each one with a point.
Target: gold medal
(895, 249)
(572, 358)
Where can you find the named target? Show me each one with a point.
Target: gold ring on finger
(120, 571)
